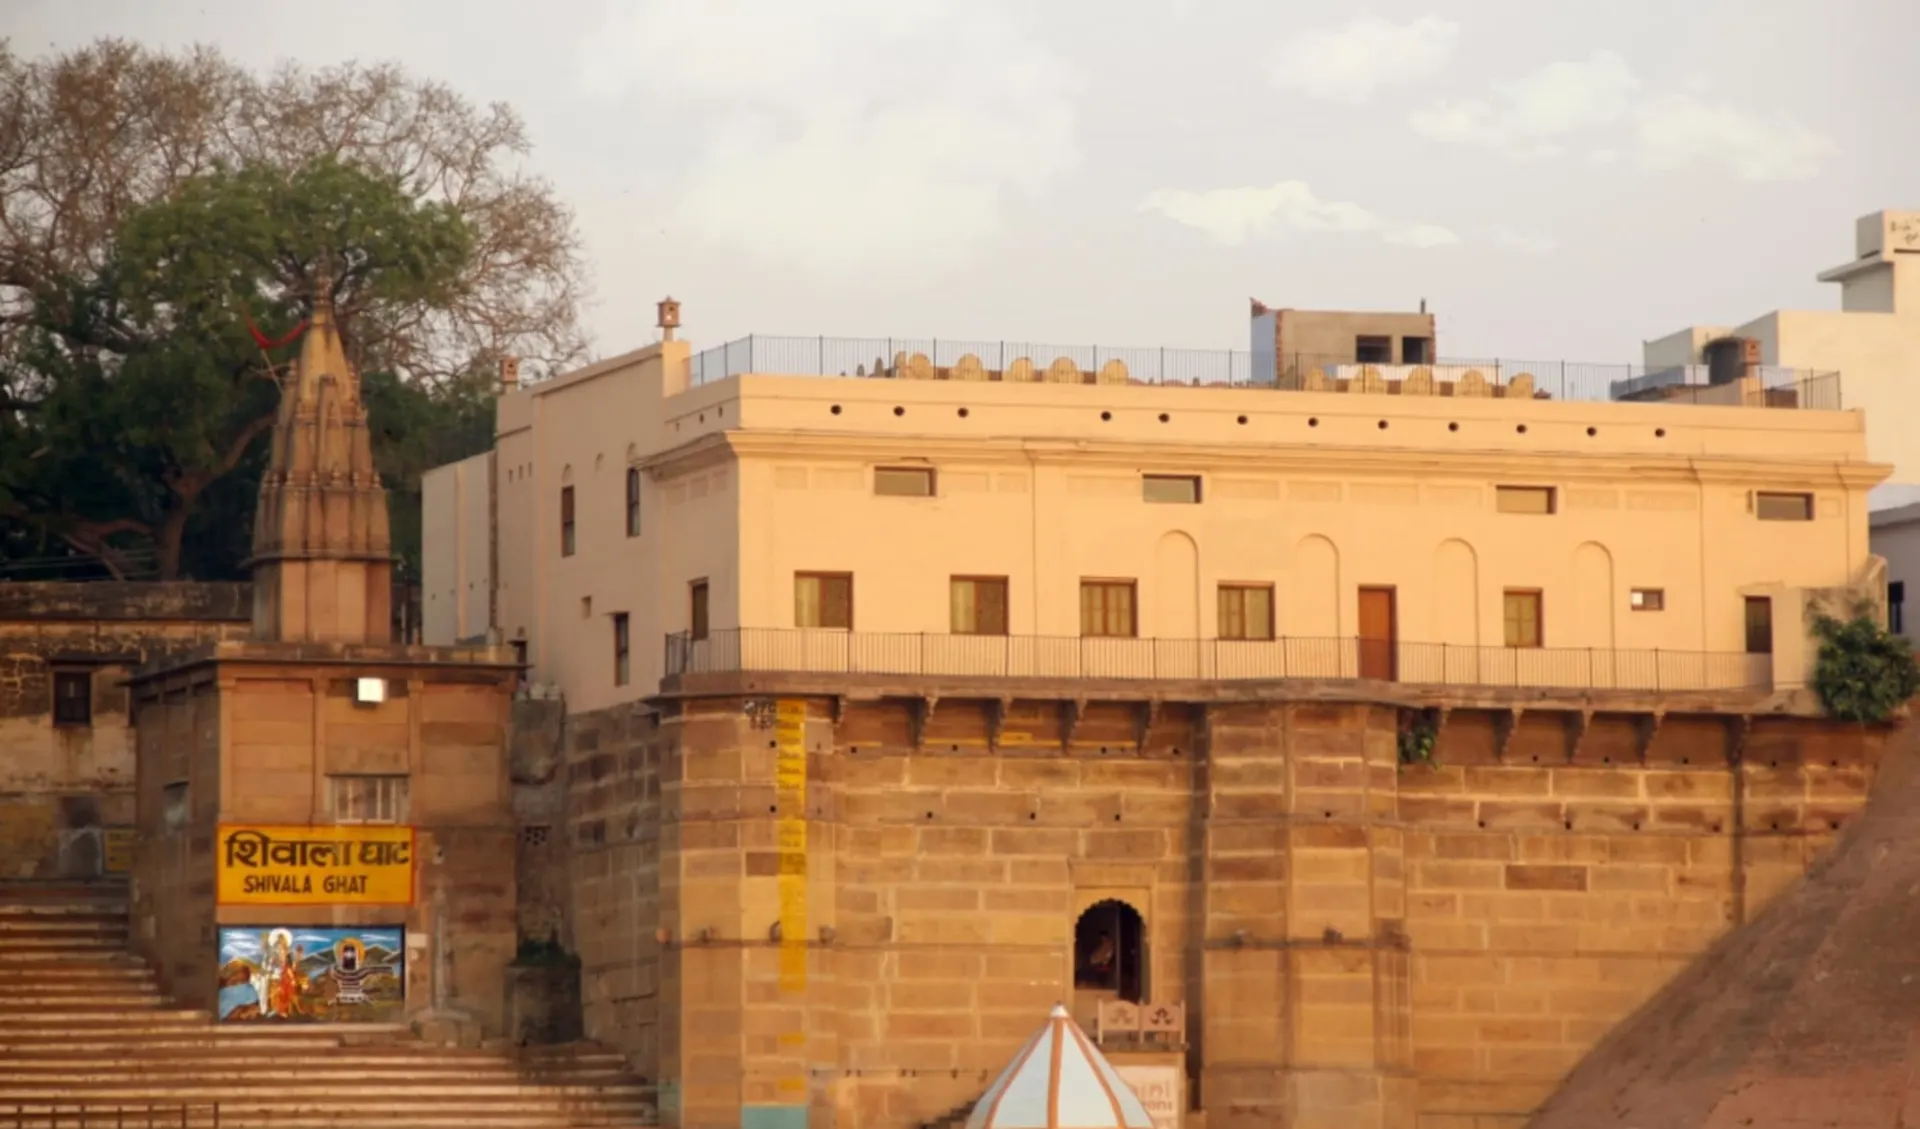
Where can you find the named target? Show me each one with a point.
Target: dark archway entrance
(1109, 951)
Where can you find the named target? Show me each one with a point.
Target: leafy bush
(1418, 738)
(1864, 672)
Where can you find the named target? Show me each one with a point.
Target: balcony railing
(908, 358)
(809, 651)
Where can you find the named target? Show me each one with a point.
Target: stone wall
(1358, 942)
(61, 785)
(251, 735)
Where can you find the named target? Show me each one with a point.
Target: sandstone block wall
(1358, 943)
(255, 742)
(61, 785)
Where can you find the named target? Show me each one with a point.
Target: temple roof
(1803, 1017)
(1059, 1080)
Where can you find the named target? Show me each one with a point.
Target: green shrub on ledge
(1863, 672)
(1418, 738)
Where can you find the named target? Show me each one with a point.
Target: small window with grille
(368, 799)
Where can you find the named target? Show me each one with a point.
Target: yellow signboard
(119, 849)
(365, 865)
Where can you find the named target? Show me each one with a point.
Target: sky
(1556, 181)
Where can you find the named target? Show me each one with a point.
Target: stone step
(197, 1060)
(142, 1017)
(295, 1090)
(16, 1076)
(69, 1117)
(20, 1004)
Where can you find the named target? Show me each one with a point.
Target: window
(1522, 610)
(1648, 599)
(72, 697)
(1373, 350)
(697, 610)
(903, 482)
(1759, 625)
(1523, 499)
(823, 599)
(621, 666)
(1896, 610)
(1177, 488)
(1106, 608)
(1782, 507)
(1416, 350)
(633, 501)
(566, 521)
(368, 799)
(979, 605)
(1246, 611)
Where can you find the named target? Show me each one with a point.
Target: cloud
(1510, 240)
(1236, 216)
(1348, 63)
(1539, 116)
(1682, 128)
(827, 137)
(1529, 118)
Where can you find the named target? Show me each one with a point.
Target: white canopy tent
(1059, 1080)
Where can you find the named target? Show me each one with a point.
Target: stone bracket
(1506, 725)
(919, 716)
(838, 703)
(1072, 712)
(997, 710)
(1645, 728)
(1579, 725)
(1145, 714)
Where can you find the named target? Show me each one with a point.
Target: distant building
(1873, 339)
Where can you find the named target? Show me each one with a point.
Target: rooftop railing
(936, 654)
(908, 358)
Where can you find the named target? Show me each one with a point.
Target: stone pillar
(747, 883)
(1350, 1052)
(1303, 972)
(1240, 1033)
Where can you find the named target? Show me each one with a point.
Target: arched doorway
(1109, 952)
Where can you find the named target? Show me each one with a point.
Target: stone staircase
(87, 1039)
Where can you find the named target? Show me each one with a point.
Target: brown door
(1377, 636)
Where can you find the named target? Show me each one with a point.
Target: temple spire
(322, 560)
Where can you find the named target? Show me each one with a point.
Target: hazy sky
(1558, 180)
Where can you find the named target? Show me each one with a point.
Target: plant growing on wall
(1419, 737)
(1863, 672)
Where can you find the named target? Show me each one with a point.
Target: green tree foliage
(151, 204)
(1862, 672)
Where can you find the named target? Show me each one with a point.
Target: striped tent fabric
(1059, 1080)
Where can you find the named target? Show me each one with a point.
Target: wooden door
(1378, 637)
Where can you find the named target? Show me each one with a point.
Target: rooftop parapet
(1018, 362)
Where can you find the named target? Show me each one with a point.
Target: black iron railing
(1493, 377)
(803, 650)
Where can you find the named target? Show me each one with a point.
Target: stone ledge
(877, 687)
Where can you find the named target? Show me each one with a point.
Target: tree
(152, 204)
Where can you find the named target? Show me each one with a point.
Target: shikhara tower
(322, 556)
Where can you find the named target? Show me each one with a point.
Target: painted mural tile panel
(312, 974)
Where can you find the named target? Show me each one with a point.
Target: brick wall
(1359, 943)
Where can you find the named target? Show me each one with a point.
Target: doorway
(1379, 636)
(1108, 952)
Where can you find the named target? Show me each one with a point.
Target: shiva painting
(307, 974)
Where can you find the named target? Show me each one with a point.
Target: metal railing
(820, 651)
(1024, 361)
(171, 1115)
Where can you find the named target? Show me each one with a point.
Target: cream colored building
(661, 511)
(1873, 339)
